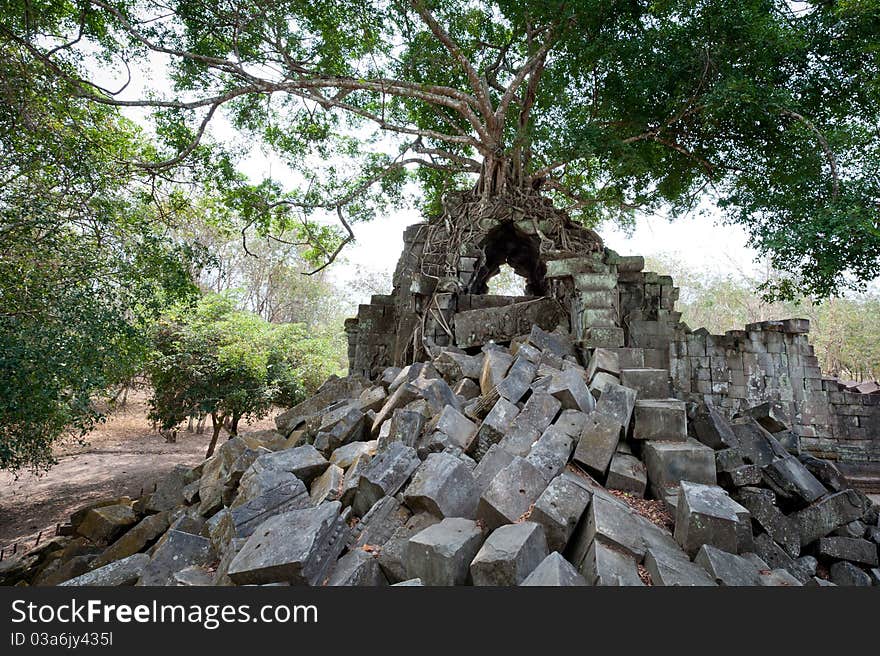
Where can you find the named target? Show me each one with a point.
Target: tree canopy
(768, 106)
(85, 261)
(232, 365)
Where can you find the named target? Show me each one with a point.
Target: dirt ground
(122, 457)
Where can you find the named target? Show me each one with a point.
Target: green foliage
(843, 330)
(768, 106)
(216, 360)
(85, 263)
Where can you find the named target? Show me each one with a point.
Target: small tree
(231, 365)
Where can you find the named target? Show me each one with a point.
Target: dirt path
(122, 457)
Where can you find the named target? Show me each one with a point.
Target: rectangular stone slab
(299, 547)
(477, 327)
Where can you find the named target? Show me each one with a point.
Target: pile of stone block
(528, 462)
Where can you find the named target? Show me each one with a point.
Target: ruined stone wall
(604, 300)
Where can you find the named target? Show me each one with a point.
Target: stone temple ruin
(580, 435)
(607, 301)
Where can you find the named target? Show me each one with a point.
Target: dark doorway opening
(505, 244)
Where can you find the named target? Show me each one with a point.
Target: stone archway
(506, 244)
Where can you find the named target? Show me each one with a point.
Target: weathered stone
(105, 523)
(607, 566)
(441, 554)
(537, 414)
(707, 515)
(510, 494)
(517, 380)
(345, 455)
(259, 482)
(376, 527)
(333, 389)
(443, 486)
(727, 569)
(728, 459)
(357, 568)
(298, 547)
(490, 464)
(405, 427)
(305, 462)
(169, 490)
(855, 550)
(481, 326)
(779, 578)
(669, 463)
(135, 539)
(712, 429)
(410, 583)
(774, 556)
(554, 571)
(496, 363)
(598, 442)
(551, 452)
(350, 428)
(672, 568)
(328, 486)
(761, 504)
(660, 420)
(570, 389)
(740, 476)
(827, 472)
(790, 479)
(628, 474)
(242, 520)
(174, 552)
(828, 514)
(804, 568)
(455, 366)
(616, 525)
(372, 398)
(213, 483)
(392, 556)
(847, 574)
(555, 342)
(467, 389)
(385, 475)
(617, 402)
(771, 415)
(601, 382)
(352, 479)
(61, 569)
(648, 383)
(437, 394)
(789, 440)
(401, 396)
(498, 422)
(756, 444)
(603, 360)
(126, 571)
(412, 373)
(856, 529)
(571, 422)
(509, 555)
(461, 431)
(193, 576)
(816, 582)
(559, 509)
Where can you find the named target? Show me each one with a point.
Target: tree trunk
(217, 425)
(233, 426)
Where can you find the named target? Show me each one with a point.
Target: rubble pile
(524, 462)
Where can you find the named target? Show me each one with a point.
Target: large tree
(769, 106)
